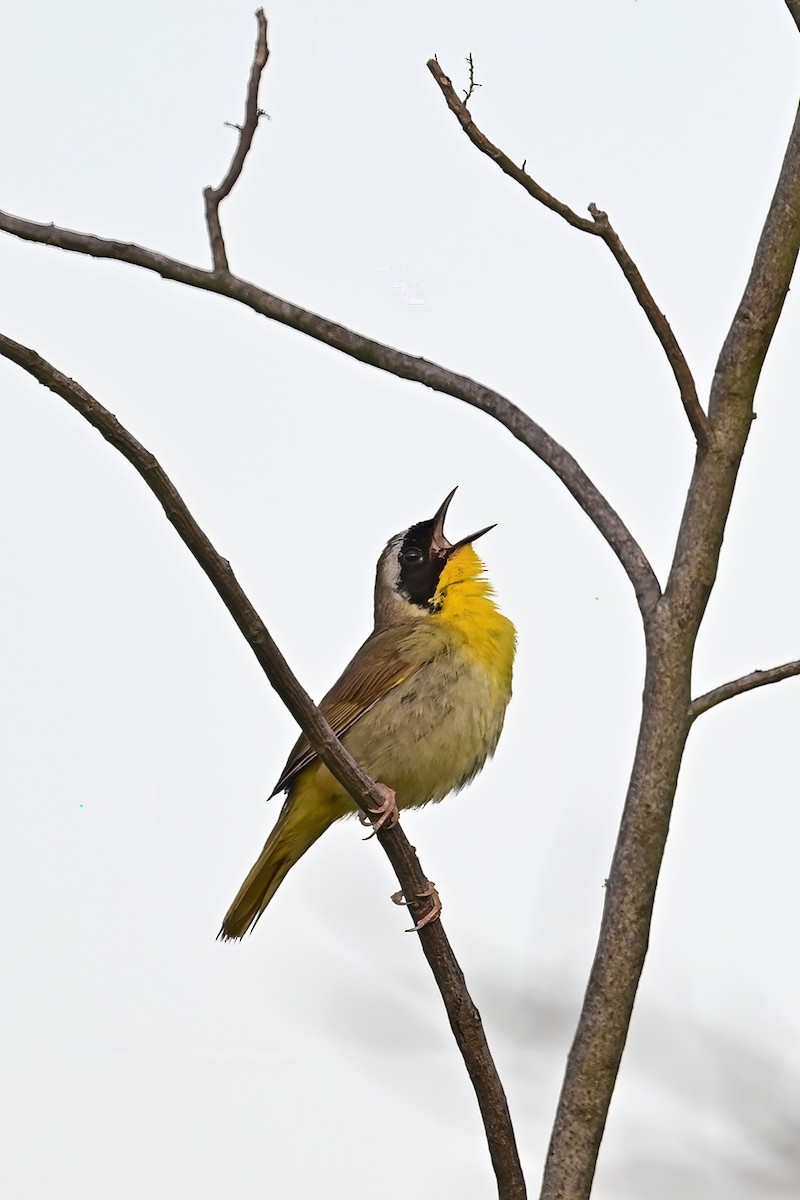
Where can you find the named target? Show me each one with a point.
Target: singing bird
(420, 707)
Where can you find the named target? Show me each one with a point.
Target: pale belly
(428, 736)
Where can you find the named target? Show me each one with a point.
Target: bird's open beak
(439, 543)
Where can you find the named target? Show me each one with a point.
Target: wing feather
(379, 665)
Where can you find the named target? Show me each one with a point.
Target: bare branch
(479, 139)
(214, 196)
(745, 683)
(601, 227)
(404, 366)
(794, 8)
(463, 1016)
(604, 1021)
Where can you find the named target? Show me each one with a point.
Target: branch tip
(213, 196)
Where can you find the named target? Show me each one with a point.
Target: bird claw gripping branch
(387, 815)
(430, 893)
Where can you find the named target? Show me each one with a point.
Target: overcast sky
(140, 740)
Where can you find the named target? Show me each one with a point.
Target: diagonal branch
(794, 8)
(745, 683)
(601, 227)
(385, 358)
(252, 113)
(463, 1016)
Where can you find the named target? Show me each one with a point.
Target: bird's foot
(387, 815)
(436, 906)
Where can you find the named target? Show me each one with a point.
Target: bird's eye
(412, 555)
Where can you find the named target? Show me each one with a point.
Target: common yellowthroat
(420, 707)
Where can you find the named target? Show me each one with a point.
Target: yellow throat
(464, 603)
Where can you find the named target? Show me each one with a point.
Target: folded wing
(383, 662)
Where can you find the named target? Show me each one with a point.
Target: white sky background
(140, 1057)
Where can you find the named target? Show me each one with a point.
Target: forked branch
(404, 366)
(603, 1025)
(464, 1018)
(252, 114)
(745, 683)
(601, 227)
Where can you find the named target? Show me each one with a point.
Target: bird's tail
(298, 827)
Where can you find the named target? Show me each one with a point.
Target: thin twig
(601, 227)
(745, 683)
(463, 1016)
(213, 196)
(794, 8)
(468, 94)
(376, 354)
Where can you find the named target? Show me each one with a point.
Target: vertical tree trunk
(602, 1031)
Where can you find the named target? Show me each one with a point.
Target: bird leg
(436, 906)
(387, 814)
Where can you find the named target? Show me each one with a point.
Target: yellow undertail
(303, 819)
